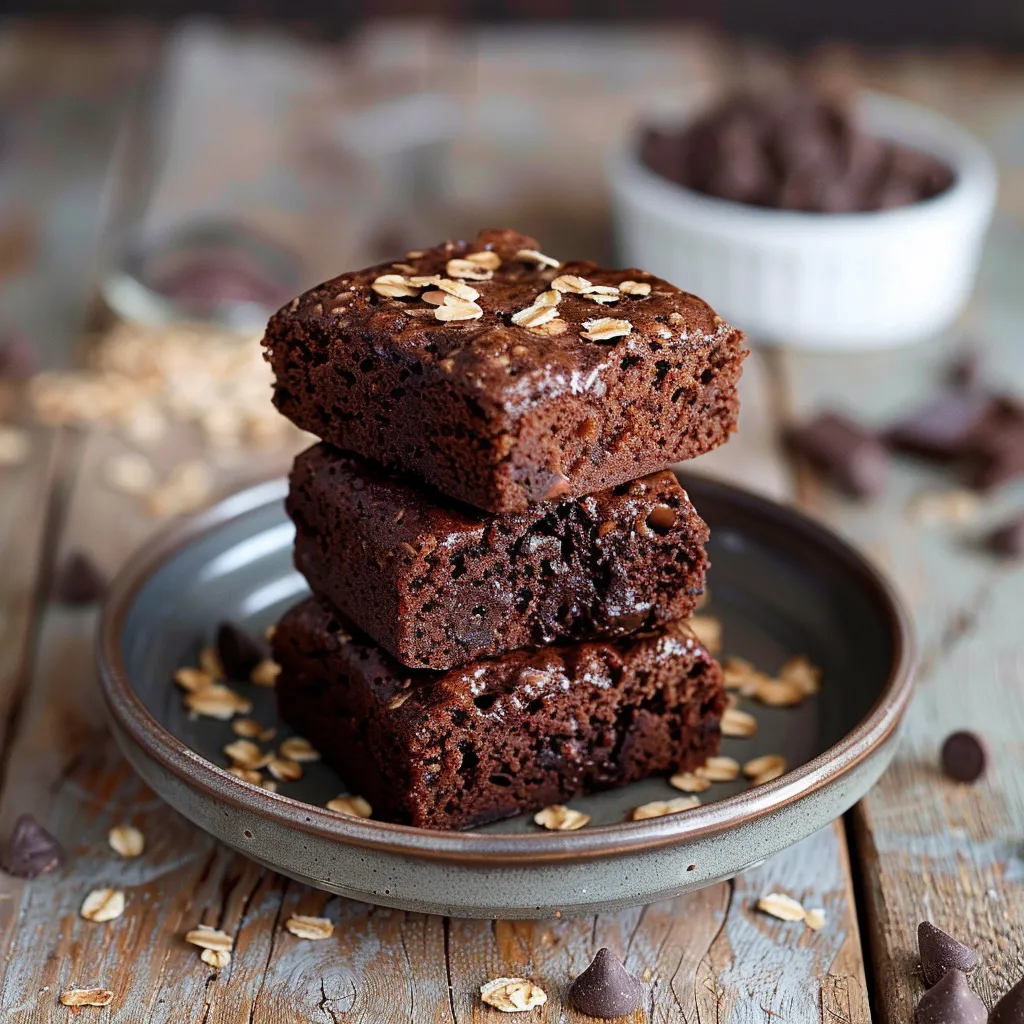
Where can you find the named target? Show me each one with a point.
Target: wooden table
(917, 847)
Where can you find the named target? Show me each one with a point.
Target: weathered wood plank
(758, 968)
(929, 848)
(25, 492)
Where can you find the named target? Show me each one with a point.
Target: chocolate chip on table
(851, 457)
(1008, 539)
(1009, 1009)
(940, 953)
(605, 989)
(239, 651)
(30, 850)
(981, 432)
(964, 756)
(78, 581)
(951, 1001)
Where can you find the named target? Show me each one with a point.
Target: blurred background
(229, 155)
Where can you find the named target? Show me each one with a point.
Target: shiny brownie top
(499, 308)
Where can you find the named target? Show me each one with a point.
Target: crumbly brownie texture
(496, 738)
(438, 585)
(523, 392)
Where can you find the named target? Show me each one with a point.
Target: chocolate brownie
(503, 378)
(438, 584)
(495, 738)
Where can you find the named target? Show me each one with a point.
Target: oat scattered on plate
(355, 806)
(764, 768)
(559, 818)
(659, 808)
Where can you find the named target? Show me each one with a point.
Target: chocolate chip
(851, 457)
(1009, 1009)
(30, 850)
(964, 756)
(605, 989)
(662, 518)
(78, 581)
(950, 1001)
(239, 652)
(1008, 539)
(629, 622)
(941, 952)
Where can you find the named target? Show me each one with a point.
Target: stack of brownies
(501, 564)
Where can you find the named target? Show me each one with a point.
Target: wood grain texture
(929, 848)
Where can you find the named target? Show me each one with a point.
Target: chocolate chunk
(30, 850)
(662, 518)
(1008, 539)
(605, 989)
(996, 455)
(239, 652)
(1009, 1009)
(941, 952)
(964, 756)
(792, 150)
(847, 454)
(950, 1001)
(943, 427)
(78, 581)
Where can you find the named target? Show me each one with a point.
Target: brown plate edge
(519, 850)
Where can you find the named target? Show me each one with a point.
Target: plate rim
(133, 720)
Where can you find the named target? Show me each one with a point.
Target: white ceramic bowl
(813, 280)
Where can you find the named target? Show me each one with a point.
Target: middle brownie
(438, 584)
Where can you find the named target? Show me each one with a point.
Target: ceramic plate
(780, 583)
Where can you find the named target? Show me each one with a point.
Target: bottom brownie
(495, 738)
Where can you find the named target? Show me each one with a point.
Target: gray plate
(781, 585)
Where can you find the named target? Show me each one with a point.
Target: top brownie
(504, 378)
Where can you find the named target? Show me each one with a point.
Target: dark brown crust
(496, 738)
(438, 584)
(495, 414)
